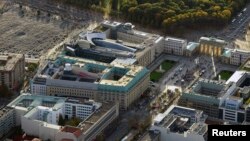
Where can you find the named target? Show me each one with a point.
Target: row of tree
(168, 13)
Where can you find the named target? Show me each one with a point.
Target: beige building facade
(12, 70)
(211, 46)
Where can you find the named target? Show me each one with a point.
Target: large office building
(117, 42)
(235, 107)
(77, 77)
(207, 95)
(232, 109)
(212, 46)
(180, 124)
(227, 101)
(11, 69)
(7, 120)
(175, 46)
(39, 116)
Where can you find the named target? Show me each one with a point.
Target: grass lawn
(225, 75)
(166, 66)
(155, 76)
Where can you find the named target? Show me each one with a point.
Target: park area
(161, 70)
(225, 75)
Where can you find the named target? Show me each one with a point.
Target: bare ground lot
(28, 34)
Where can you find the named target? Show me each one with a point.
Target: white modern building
(80, 109)
(180, 124)
(175, 46)
(234, 108)
(39, 115)
(148, 46)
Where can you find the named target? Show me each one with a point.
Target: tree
(168, 14)
(4, 91)
(100, 137)
(32, 67)
(73, 121)
(61, 121)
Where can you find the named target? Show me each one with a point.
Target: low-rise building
(175, 46)
(11, 69)
(180, 124)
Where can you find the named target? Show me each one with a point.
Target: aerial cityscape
(124, 70)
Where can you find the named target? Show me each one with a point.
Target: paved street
(237, 27)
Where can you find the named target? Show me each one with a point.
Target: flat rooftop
(192, 46)
(177, 110)
(5, 110)
(84, 102)
(212, 40)
(110, 23)
(177, 40)
(179, 120)
(209, 88)
(241, 78)
(8, 61)
(91, 120)
(241, 51)
(84, 70)
(236, 76)
(29, 101)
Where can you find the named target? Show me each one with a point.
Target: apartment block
(11, 69)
